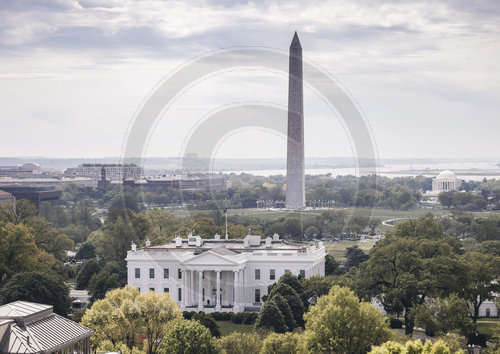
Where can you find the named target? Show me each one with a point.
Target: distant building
(219, 274)
(191, 182)
(446, 181)
(6, 196)
(115, 172)
(44, 182)
(26, 170)
(34, 195)
(28, 327)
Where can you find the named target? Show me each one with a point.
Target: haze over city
(72, 74)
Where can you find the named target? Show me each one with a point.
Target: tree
(480, 279)
(241, 343)
(292, 228)
(156, 312)
(44, 288)
(85, 214)
(113, 243)
(355, 256)
(86, 251)
(189, 337)
(413, 347)
(17, 211)
(312, 231)
(270, 318)
(48, 238)
(88, 270)
(293, 299)
(446, 199)
(281, 343)
(19, 253)
(332, 267)
(402, 272)
(425, 227)
(440, 316)
(209, 322)
(284, 308)
(340, 323)
(124, 315)
(317, 286)
(107, 279)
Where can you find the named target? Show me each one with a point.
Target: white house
(220, 274)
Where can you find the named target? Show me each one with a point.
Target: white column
(218, 306)
(191, 288)
(183, 290)
(200, 290)
(236, 302)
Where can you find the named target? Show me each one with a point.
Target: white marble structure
(446, 181)
(295, 165)
(217, 274)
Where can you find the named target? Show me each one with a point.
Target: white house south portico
(220, 275)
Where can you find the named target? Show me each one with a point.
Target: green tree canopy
(124, 315)
(405, 271)
(189, 337)
(293, 299)
(44, 288)
(241, 343)
(88, 270)
(340, 323)
(270, 318)
(281, 343)
(86, 251)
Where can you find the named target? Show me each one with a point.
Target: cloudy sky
(425, 73)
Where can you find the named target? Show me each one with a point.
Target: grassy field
(487, 325)
(227, 327)
(338, 249)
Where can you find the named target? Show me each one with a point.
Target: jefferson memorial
(220, 274)
(446, 181)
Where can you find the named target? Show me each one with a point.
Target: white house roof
(235, 245)
(211, 258)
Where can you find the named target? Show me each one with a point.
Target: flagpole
(225, 212)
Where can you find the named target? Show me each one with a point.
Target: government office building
(219, 274)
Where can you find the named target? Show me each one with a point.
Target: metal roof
(47, 331)
(55, 332)
(21, 309)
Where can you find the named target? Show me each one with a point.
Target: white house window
(137, 273)
(179, 274)
(257, 274)
(166, 290)
(152, 289)
(272, 274)
(302, 273)
(151, 273)
(166, 273)
(257, 295)
(287, 270)
(179, 294)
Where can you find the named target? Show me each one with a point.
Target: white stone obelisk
(295, 167)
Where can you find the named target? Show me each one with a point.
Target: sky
(73, 73)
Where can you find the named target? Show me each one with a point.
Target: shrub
(241, 343)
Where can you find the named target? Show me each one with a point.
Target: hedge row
(240, 317)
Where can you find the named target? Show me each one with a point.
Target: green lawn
(338, 249)
(487, 325)
(227, 327)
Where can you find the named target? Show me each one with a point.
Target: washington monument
(295, 187)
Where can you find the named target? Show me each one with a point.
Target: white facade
(115, 172)
(446, 181)
(196, 272)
